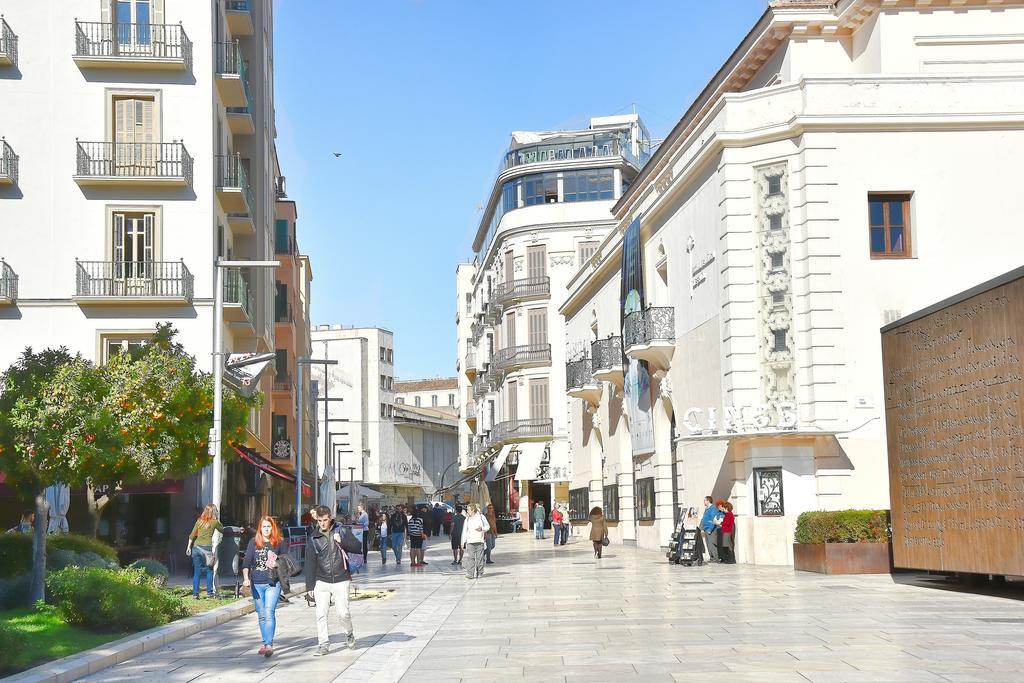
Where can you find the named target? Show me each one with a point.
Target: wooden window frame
(908, 239)
(643, 486)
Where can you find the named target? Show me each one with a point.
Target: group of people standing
(561, 524)
(392, 527)
(718, 525)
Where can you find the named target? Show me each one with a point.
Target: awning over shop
(530, 455)
(264, 465)
(498, 462)
(558, 465)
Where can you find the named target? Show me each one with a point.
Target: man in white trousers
(327, 575)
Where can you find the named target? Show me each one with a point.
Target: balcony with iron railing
(518, 357)
(132, 46)
(231, 74)
(284, 245)
(606, 360)
(492, 314)
(143, 164)
(233, 188)
(469, 367)
(580, 382)
(8, 45)
(481, 386)
(650, 335)
(240, 118)
(283, 313)
(8, 284)
(515, 431)
(522, 289)
(239, 16)
(133, 282)
(8, 164)
(476, 330)
(592, 146)
(238, 299)
(471, 415)
(283, 382)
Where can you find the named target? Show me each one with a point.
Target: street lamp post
(218, 366)
(300, 362)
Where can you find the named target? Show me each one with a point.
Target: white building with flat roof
(851, 161)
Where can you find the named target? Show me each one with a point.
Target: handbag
(605, 542)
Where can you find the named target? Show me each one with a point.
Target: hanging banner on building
(637, 383)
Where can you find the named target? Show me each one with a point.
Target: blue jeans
(556, 528)
(382, 543)
(566, 528)
(266, 596)
(538, 529)
(397, 543)
(198, 567)
(489, 540)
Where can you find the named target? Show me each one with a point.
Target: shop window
(645, 498)
(610, 502)
(579, 504)
(768, 492)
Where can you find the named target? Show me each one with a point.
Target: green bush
(843, 526)
(108, 600)
(58, 559)
(14, 591)
(156, 570)
(11, 640)
(16, 550)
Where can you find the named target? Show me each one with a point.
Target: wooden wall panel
(954, 380)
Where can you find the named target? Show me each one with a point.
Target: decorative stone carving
(563, 259)
(519, 264)
(663, 183)
(588, 232)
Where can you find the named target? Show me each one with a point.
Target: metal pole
(298, 456)
(351, 491)
(327, 428)
(218, 380)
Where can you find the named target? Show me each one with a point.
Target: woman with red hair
(728, 532)
(259, 569)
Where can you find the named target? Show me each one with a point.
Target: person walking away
(458, 523)
(709, 528)
(327, 573)
(259, 572)
(397, 524)
(538, 520)
(473, 540)
(598, 530)
(491, 537)
(417, 533)
(25, 525)
(363, 520)
(200, 548)
(382, 537)
(556, 524)
(728, 531)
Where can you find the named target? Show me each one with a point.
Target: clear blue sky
(420, 98)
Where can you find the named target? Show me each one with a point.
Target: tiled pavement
(550, 614)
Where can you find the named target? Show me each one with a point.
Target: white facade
(756, 220)
(132, 175)
(549, 208)
(440, 393)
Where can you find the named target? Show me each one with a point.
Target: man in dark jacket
(327, 574)
(396, 526)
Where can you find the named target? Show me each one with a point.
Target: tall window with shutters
(135, 132)
(539, 399)
(537, 322)
(133, 245)
(509, 333)
(536, 261)
(587, 251)
(510, 266)
(512, 406)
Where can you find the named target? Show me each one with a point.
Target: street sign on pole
(243, 370)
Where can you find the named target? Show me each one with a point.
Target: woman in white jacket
(473, 541)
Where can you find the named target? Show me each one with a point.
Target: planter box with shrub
(843, 542)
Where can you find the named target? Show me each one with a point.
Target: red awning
(257, 461)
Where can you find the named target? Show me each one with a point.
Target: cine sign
(736, 419)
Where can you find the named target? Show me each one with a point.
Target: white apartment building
(138, 147)
(852, 161)
(439, 393)
(548, 209)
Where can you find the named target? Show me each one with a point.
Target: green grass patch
(204, 604)
(31, 637)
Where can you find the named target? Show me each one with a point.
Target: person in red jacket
(728, 533)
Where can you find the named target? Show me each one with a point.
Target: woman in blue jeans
(258, 570)
(200, 548)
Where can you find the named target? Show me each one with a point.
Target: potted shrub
(843, 542)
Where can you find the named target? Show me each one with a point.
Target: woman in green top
(202, 538)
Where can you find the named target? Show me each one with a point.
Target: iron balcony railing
(606, 353)
(157, 41)
(471, 410)
(593, 146)
(282, 383)
(649, 325)
(8, 282)
(492, 314)
(516, 430)
(476, 330)
(8, 162)
(578, 374)
(231, 63)
(481, 386)
(286, 245)
(471, 359)
(231, 173)
(522, 288)
(517, 356)
(8, 42)
(236, 291)
(169, 160)
(166, 279)
(283, 313)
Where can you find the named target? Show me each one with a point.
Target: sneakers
(488, 562)
(350, 640)
(321, 650)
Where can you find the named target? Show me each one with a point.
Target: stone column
(663, 454)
